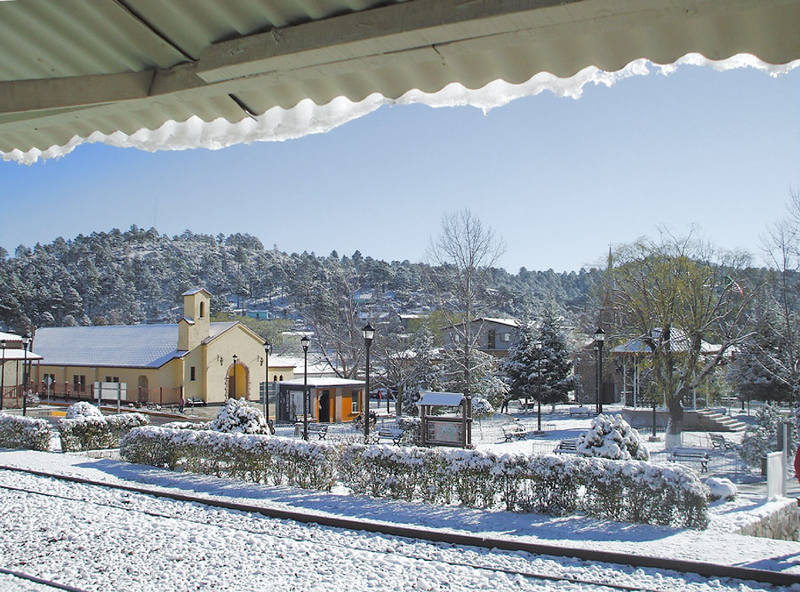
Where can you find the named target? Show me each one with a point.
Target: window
(191, 374)
(506, 337)
(79, 382)
(112, 378)
(202, 312)
(492, 340)
(354, 407)
(49, 381)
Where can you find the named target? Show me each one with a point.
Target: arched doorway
(239, 373)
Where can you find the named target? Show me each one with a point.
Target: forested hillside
(138, 275)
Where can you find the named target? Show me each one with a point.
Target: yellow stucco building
(158, 363)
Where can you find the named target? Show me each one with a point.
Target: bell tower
(195, 326)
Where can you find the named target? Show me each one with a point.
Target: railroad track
(445, 539)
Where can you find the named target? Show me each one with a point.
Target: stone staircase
(713, 421)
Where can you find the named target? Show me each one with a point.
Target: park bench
(695, 455)
(568, 446)
(719, 442)
(515, 430)
(320, 429)
(393, 434)
(579, 411)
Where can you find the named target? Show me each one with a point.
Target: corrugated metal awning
(69, 70)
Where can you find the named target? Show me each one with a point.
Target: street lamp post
(25, 340)
(235, 357)
(267, 350)
(538, 346)
(599, 337)
(304, 343)
(3, 373)
(368, 332)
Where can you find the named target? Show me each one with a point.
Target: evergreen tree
(520, 365)
(554, 360)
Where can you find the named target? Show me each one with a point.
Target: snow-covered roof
(679, 343)
(134, 346)
(317, 367)
(196, 291)
(10, 337)
(445, 399)
(513, 323)
(322, 381)
(17, 353)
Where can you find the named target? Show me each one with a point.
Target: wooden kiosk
(448, 429)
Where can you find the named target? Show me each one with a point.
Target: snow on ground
(89, 539)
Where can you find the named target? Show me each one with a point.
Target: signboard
(445, 432)
(111, 390)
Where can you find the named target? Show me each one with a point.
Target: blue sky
(559, 179)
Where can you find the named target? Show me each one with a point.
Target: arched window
(281, 377)
(202, 309)
(275, 378)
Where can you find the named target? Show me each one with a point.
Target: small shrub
(761, 438)
(612, 438)
(238, 416)
(83, 409)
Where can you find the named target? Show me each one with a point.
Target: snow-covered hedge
(24, 432)
(90, 432)
(250, 457)
(632, 491)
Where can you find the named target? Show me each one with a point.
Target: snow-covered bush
(412, 431)
(250, 457)
(721, 489)
(613, 438)
(88, 432)
(24, 432)
(83, 409)
(481, 408)
(761, 438)
(632, 491)
(237, 416)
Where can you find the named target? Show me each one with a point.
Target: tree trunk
(675, 424)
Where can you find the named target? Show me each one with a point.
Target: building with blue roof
(159, 363)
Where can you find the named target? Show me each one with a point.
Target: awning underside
(103, 71)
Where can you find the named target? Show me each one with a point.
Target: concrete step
(721, 423)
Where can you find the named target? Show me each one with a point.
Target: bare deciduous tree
(460, 258)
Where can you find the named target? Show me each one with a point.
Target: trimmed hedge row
(630, 491)
(24, 432)
(250, 457)
(97, 432)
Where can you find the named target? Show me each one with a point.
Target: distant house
(491, 335)
(195, 357)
